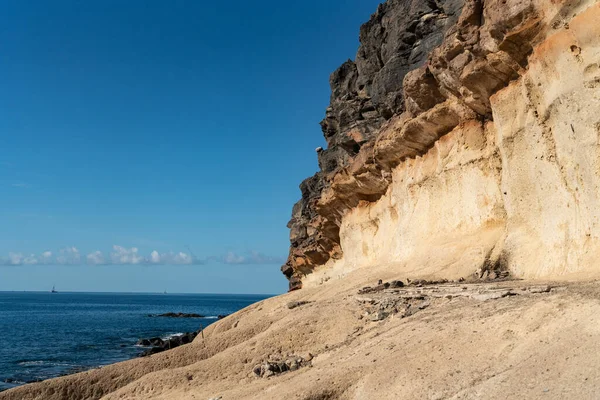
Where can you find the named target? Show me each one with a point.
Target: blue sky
(147, 143)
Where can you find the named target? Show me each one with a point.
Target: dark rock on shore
(150, 342)
(158, 345)
(176, 315)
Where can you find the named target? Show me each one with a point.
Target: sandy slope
(530, 345)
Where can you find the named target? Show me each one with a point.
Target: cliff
(462, 143)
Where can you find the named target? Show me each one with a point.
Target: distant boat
(53, 289)
(165, 292)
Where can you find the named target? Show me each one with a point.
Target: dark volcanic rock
(365, 93)
(158, 345)
(177, 315)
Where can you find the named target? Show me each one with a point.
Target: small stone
(423, 305)
(542, 289)
(282, 367)
(378, 316)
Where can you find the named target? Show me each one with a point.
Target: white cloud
(46, 257)
(68, 256)
(15, 258)
(182, 258)
(121, 255)
(232, 258)
(30, 260)
(131, 256)
(155, 257)
(20, 259)
(171, 258)
(21, 185)
(253, 257)
(95, 258)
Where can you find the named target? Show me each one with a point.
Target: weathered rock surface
(429, 168)
(278, 365)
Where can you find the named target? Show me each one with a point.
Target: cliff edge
(462, 143)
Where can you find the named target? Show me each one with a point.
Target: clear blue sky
(150, 145)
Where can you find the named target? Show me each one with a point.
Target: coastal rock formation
(463, 140)
(158, 345)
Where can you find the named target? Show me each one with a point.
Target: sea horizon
(143, 293)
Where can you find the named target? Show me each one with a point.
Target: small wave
(174, 335)
(211, 317)
(15, 382)
(45, 363)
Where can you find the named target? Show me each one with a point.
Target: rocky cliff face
(462, 140)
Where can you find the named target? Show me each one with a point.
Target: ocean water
(44, 335)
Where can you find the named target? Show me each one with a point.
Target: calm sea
(44, 335)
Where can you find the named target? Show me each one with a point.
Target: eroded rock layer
(464, 136)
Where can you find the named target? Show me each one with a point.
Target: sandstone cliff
(463, 142)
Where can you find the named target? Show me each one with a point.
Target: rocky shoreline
(149, 346)
(157, 345)
(184, 315)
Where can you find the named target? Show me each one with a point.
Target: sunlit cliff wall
(462, 142)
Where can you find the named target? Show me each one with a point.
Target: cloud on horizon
(252, 257)
(131, 256)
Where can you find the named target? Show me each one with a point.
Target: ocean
(45, 335)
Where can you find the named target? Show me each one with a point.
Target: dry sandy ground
(454, 341)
